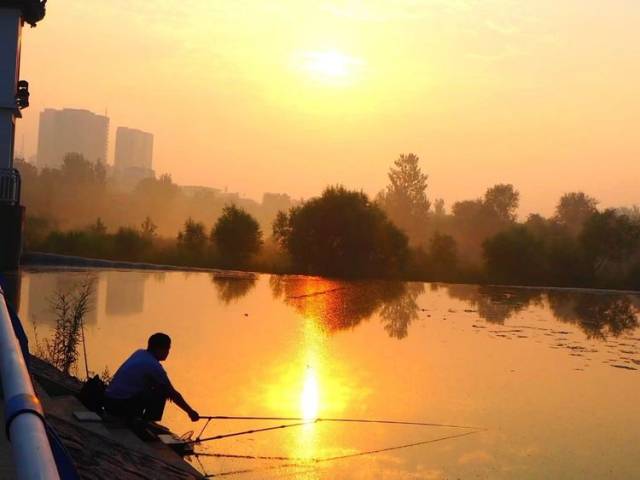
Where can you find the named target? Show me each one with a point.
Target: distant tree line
(401, 233)
(80, 191)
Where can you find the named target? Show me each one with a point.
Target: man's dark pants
(148, 405)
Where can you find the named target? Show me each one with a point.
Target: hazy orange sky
(289, 96)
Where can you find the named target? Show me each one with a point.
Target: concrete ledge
(34, 259)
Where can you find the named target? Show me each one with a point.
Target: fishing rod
(315, 461)
(299, 462)
(343, 420)
(302, 421)
(251, 457)
(247, 432)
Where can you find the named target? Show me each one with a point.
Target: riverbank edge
(42, 259)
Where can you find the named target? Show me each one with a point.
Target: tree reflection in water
(495, 304)
(399, 313)
(337, 305)
(232, 287)
(598, 315)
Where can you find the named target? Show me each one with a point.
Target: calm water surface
(551, 377)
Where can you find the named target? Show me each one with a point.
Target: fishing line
(302, 421)
(315, 461)
(204, 471)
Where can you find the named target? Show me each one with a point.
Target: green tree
(565, 262)
(514, 256)
(502, 202)
(537, 224)
(405, 198)
(192, 238)
(129, 243)
(470, 226)
(342, 233)
(36, 230)
(236, 235)
(97, 228)
(574, 209)
(609, 237)
(148, 228)
(443, 256)
(468, 211)
(633, 212)
(78, 171)
(281, 228)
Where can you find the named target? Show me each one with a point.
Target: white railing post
(24, 422)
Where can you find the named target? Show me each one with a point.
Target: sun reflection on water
(310, 398)
(312, 352)
(308, 380)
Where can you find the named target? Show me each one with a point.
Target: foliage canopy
(236, 235)
(342, 233)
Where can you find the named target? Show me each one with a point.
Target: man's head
(159, 345)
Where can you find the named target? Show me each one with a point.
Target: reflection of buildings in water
(43, 288)
(338, 304)
(232, 288)
(159, 277)
(125, 292)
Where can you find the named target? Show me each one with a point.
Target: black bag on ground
(92, 394)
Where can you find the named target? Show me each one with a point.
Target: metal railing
(24, 421)
(10, 185)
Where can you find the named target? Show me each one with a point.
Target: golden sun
(330, 65)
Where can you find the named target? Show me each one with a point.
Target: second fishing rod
(323, 419)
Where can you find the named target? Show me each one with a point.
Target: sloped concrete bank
(106, 449)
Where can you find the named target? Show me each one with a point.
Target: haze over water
(551, 377)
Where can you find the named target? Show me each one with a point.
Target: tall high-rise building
(134, 148)
(134, 155)
(71, 131)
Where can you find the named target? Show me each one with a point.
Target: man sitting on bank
(140, 387)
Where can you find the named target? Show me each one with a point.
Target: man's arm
(177, 398)
(160, 377)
